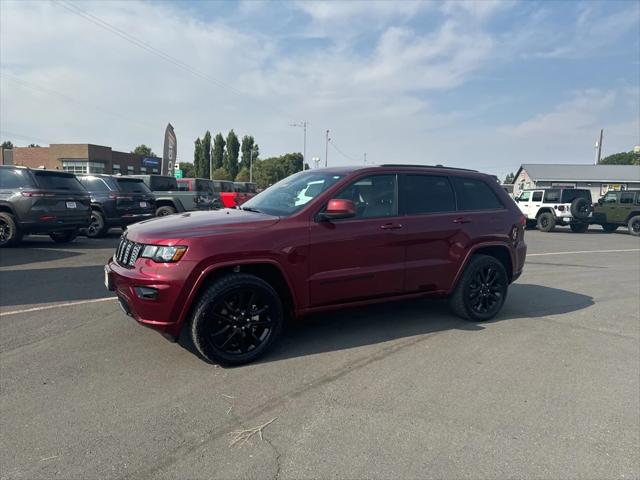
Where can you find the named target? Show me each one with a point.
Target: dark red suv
(320, 240)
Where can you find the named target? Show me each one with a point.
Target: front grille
(128, 252)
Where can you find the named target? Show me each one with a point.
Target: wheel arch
(499, 251)
(545, 210)
(632, 214)
(266, 269)
(7, 208)
(169, 202)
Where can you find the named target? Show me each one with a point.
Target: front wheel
(237, 319)
(546, 222)
(634, 225)
(609, 227)
(482, 289)
(64, 236)
(579, 227)
(165, 210)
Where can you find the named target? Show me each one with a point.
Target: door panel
(355, 259)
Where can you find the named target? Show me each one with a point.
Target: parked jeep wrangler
(618, 209)
(170, 199)
(547, 208)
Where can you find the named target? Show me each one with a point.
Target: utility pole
(251, 163)
(304, 151)
(598, 146)
(326, 149)
(365, 158)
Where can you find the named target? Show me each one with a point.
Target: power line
(348, 157)
(24, 137)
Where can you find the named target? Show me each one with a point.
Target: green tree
(206, 151)
(233, 148)
(217, 156)
(271, 170)
(188, 169)
(248, 144)
(7, 145)
(243, 175)
(198, 158)
(622, 158)
(33, 145)
(509, 179)
(221, 174)
(143, 151)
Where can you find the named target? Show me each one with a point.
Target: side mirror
(338, 208)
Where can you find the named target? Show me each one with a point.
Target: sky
(481, 84)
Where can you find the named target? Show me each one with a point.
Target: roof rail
(425, 166)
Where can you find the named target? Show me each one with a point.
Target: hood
(172, 228)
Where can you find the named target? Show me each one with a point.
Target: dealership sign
(153, 162)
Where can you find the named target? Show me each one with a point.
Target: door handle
(391, 226)
(462, 220)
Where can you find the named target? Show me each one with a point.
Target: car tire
(223, 329)
(579, 227)
(546, 222)
(609, 227)
(634, 225)
(64, 236)
(481, 290)
(580, 208)
(97, 228)
(10, 234)
(165, 210)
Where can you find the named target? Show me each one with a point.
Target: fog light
(146, 293)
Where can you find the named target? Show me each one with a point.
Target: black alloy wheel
(6, 232)
(546, 222)
(236, 320)
(10, 234)
(482, 289)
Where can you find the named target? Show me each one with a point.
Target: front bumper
(162, 313)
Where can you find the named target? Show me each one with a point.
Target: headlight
(162, 254)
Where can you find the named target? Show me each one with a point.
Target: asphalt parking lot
(550, 389)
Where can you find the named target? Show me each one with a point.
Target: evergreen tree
(218, 151)
(233, 148)
(198, 158)
(248, 144)
(206, 154)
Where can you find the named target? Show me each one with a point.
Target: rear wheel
(237, 319)
(634, 225)
(609, 227)
(64, 236)
(579, 227)
(546, 222)
(482, 289)
(9, 232)
(97, 228)
(165, 210)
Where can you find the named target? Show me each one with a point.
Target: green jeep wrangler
(618, 208)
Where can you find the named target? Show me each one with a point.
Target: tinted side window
(475, 195)
(132, 186)
(373, 196)
(626, 197)
(611, 198)
(524, 196)
(10, 178)
(94, 184)
(425, 194)
(537, 196)
(163, 184)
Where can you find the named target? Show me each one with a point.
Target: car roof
(398, 166)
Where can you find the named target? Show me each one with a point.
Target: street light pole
(304, 151)
(326, 149)
(251, 163)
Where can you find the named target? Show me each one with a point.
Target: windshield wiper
(251, 209)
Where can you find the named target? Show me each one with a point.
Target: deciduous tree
(143, 151)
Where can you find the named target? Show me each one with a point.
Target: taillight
(119, 196)
(523, 220)
(561, 208)
(37, 194)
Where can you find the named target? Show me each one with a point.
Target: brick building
(80, 158)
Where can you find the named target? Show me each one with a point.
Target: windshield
(291, 194)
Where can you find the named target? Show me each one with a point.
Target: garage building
(597, 178)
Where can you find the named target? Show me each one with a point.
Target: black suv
(41, 201)
(116, 202)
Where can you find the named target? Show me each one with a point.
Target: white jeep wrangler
(547, 208)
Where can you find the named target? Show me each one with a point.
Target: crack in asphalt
(270, 405)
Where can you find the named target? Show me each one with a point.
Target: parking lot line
(57, 305)
(582, 251)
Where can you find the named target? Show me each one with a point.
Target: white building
(597, 178)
